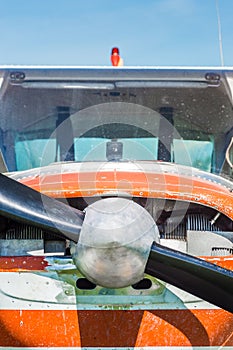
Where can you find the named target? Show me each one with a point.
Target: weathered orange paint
(25, 263)
(39, 328)
(223, 261)
(140, 184)
(115, 328)
(186, 328)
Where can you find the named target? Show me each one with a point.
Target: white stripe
(47, 290)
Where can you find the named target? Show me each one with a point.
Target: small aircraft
(116, 207)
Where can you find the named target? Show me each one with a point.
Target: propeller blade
(194, 275)
(21, 203)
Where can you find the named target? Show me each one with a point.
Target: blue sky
(148, 32)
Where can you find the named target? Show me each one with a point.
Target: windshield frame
(113, 86)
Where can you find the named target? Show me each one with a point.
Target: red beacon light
(115, 57)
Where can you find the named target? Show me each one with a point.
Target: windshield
(117, 131)
(40, 125)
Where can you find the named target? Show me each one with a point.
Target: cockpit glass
(136, 134)
(187, 126)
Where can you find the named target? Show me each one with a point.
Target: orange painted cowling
(136, 183)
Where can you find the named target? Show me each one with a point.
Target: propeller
(194, 275)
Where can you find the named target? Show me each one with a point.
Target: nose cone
(115, 242)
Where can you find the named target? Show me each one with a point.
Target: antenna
(219, 33)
